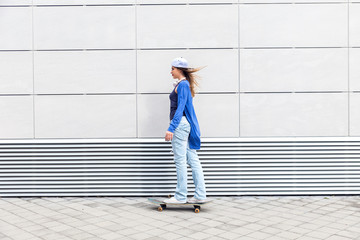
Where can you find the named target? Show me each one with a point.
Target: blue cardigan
(185, 104)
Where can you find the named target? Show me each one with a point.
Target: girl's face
(175, 72)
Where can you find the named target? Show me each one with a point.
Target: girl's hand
(169, 136)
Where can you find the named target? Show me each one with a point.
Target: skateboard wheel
(160, 209)
(197, 210)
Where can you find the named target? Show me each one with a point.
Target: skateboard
(157, 201)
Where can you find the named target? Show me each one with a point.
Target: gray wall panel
(300, 69)
(16, 73)
(153, 115)
(299, 114)
(87, 116)
(17, 117)
(293, 25)
(57, 2)
(81, 2)
(83, 27)
(218, 114)
(167, 26)
(85, 72)
(184, 1)
(15, 3)
(354, 114)
(354, 70)
(293, 1)
(354, 25)
(162, 1)
(16, 28)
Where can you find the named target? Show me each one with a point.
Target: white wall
(101, 68)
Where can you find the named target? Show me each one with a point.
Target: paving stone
(337, 237)
(328, 230)
(349, 234)
(199, 235)
(82, 236)
(309, 226)
(113, 236)
(157, 232)
(243, 231)
(214, 231)
(282, 226)
(212, 223)
(300, 230)
(271, 230)
(172, 227)
(185, 238)
(230, 235)
(288, 235)
(319, 235)
(254, 226)
(185, 232)
(307, 238)
(227, 227)
(259, 235)
(198, 227)
(156, 238)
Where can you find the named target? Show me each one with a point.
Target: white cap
(180, 62)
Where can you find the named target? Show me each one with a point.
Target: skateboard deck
(157, 201)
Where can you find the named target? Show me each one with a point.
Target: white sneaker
(195, 200)
(173, 200)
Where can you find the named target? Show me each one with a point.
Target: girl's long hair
(189, 75)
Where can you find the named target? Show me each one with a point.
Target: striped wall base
(145, 167)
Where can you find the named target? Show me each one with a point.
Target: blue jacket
(185, 103)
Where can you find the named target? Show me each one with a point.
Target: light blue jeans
(183, 155)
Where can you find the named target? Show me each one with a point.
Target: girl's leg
(179, 142)
(197, 173)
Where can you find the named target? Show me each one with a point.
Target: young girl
(184, 133)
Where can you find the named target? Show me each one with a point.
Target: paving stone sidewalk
(280, 217)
